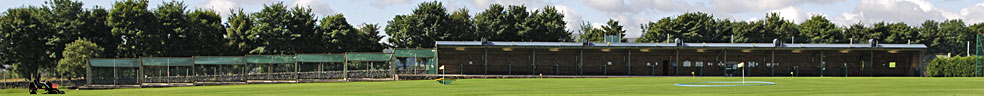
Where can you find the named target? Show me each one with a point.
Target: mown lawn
(798, 86)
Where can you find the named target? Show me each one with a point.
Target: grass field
(808, 86)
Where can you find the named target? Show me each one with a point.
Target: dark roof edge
(708, 45)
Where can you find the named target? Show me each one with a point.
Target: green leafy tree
(238, 33)
(820, 30)
(429, 22)
(340, 34)
(138, 27)
(27, 37)
(658, 31)
(369, 39)
(612, 27)
(776, 27)
(207, 29)
(461, 26)
(547, 25)
(178, 40)
(303, 23)
(77, 55)
(900, 33)
(856, 33)
(271, 32)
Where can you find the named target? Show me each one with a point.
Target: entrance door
(666, 67)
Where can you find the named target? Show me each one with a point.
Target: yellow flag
(442, 67)
(741, 65)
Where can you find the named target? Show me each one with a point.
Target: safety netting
(219, 69)
(321, 66)
(416, 61)
(120, 71)
(369, 65)
(167, 69)
(271, 67)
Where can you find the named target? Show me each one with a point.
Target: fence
(134, 71)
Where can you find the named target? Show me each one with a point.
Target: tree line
(59, 36)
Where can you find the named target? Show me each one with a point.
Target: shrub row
(952, 67)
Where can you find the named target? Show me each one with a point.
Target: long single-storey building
(679, 59)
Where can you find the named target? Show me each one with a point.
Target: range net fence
(219, 68)
(416, 61)
(167, 69)
(124, 71)
(134, 71)
(369, 65)
(271, 67)
(321, 66)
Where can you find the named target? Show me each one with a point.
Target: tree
(207, 29)
(658, 31)
(369, 39)
(696, 27)
(779, 28)
(27, 38)
(546, 25)
(428, 23)
(138, 27)
(342, 36)
(612, 27)
(856, 33)
(818, 29)
(272, 33)
(238, 33)
(174, 28)
(303, 24)
(77, 55)
(900, 33)
(461, 26)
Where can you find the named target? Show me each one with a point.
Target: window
(891, 64)
(686, 63)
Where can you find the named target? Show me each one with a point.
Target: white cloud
(973, 14)
(384, 3)
(225, 6)
(571, 16)
(317, 6)
(912, 12)
(792, 13)
(738, 6)
(221, 6)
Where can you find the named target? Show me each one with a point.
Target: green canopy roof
(168, 61)
(368, 57)
(320, 57)
(415, 52)
(220, 60)
(270, 59)
(121, 62)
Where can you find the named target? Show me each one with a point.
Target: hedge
(952, 67)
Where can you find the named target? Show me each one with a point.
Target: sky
(630, 13)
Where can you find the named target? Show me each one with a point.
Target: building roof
(691, 45)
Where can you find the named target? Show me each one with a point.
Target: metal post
(534, 61)
(676, 61)
(485, 59)
(88, 73)
(628, 60)
(296, 69)
(580, 62)
(114, 72)
(345, 68)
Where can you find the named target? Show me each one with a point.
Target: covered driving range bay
(679, 59)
